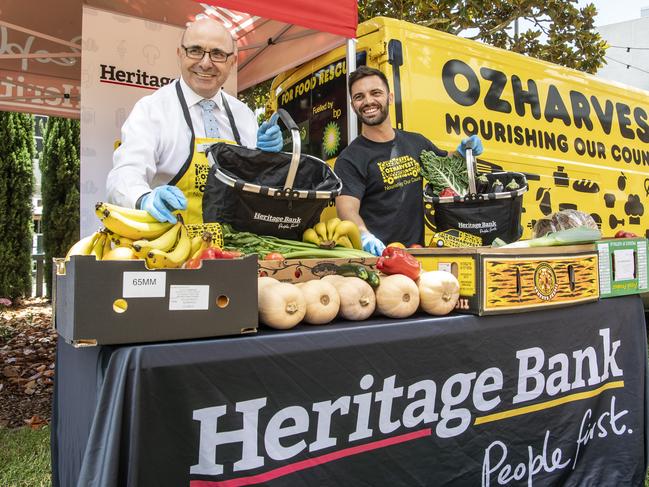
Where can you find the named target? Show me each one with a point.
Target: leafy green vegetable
(444, 172)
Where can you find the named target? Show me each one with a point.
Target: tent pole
(352, 121)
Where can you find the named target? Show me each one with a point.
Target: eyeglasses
(216, 55)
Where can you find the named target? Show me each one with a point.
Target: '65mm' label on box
(144, 284)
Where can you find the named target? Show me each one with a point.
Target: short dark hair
(364, 72)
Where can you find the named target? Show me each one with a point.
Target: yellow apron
(192, 177)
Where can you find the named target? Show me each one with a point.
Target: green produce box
(623, 266)
(113, 302)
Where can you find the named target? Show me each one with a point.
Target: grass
(25, 457)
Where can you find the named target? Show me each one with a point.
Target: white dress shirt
(155, 140)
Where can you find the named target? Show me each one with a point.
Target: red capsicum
(394, 260)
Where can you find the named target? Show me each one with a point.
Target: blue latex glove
(472, 142)
(372, 244)
(162, 201)
(269, 136)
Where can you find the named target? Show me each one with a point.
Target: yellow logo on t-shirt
(399, 172)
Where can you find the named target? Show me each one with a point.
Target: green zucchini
(353, 270)
(373, 279)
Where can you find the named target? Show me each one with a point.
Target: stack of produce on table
(565, 227)
(562, 220)
(355, 293)
(565, 219)
(135, 234)
(571, 236)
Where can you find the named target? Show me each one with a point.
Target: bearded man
(382, 185)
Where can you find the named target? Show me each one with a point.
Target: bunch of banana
(164, 242)
(130, 223)
(119, 240)
(176, 255)
(200, 243)
(96, 244)
(334, 232)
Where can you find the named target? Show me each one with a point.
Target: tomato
(447, 192)
(192, 263)
(623, 234)
(415, 246)
(274, 256)
(211, 253)
(230, 254)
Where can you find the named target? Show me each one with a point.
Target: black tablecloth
(556, 396)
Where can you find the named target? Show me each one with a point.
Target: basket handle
(470, 166)
(295, 134)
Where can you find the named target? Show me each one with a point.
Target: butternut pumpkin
(322, 301)
(357, 299)
(438, 292)
(397, 296)
(281, 305)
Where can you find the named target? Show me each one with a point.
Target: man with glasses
(161, 165)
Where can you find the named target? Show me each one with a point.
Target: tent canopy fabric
(41, 45)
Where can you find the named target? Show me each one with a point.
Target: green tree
(559, 31)
(16, 189)
(60, 189)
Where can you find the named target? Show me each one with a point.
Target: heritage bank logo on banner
(138, 78)
(426, 409)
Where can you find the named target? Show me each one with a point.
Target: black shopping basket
(486, 215)
(280, 194)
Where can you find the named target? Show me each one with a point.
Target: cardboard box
(623, 266)
(302, 270)
(497, 281)
(111, 302)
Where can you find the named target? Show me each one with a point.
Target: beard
(377, 119)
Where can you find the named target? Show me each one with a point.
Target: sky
(613, 11)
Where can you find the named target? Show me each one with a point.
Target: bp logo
(331, 139)
(545, 281)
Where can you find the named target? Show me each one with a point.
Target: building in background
(627, 57)
(40, 121)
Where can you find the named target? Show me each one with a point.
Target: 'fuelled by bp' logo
(545, 281)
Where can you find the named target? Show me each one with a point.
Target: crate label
(144, 284)
(188, 297)
(624, 264)
(520, 283)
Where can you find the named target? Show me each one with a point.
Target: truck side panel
(582, 142)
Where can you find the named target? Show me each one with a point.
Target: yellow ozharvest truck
(582, 142)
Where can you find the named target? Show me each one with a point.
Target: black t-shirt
(385, 177)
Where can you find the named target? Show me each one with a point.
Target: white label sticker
(188, 297)
(624, 264)
(144, 284)
(444, 266)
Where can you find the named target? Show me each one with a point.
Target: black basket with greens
(488, 205)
